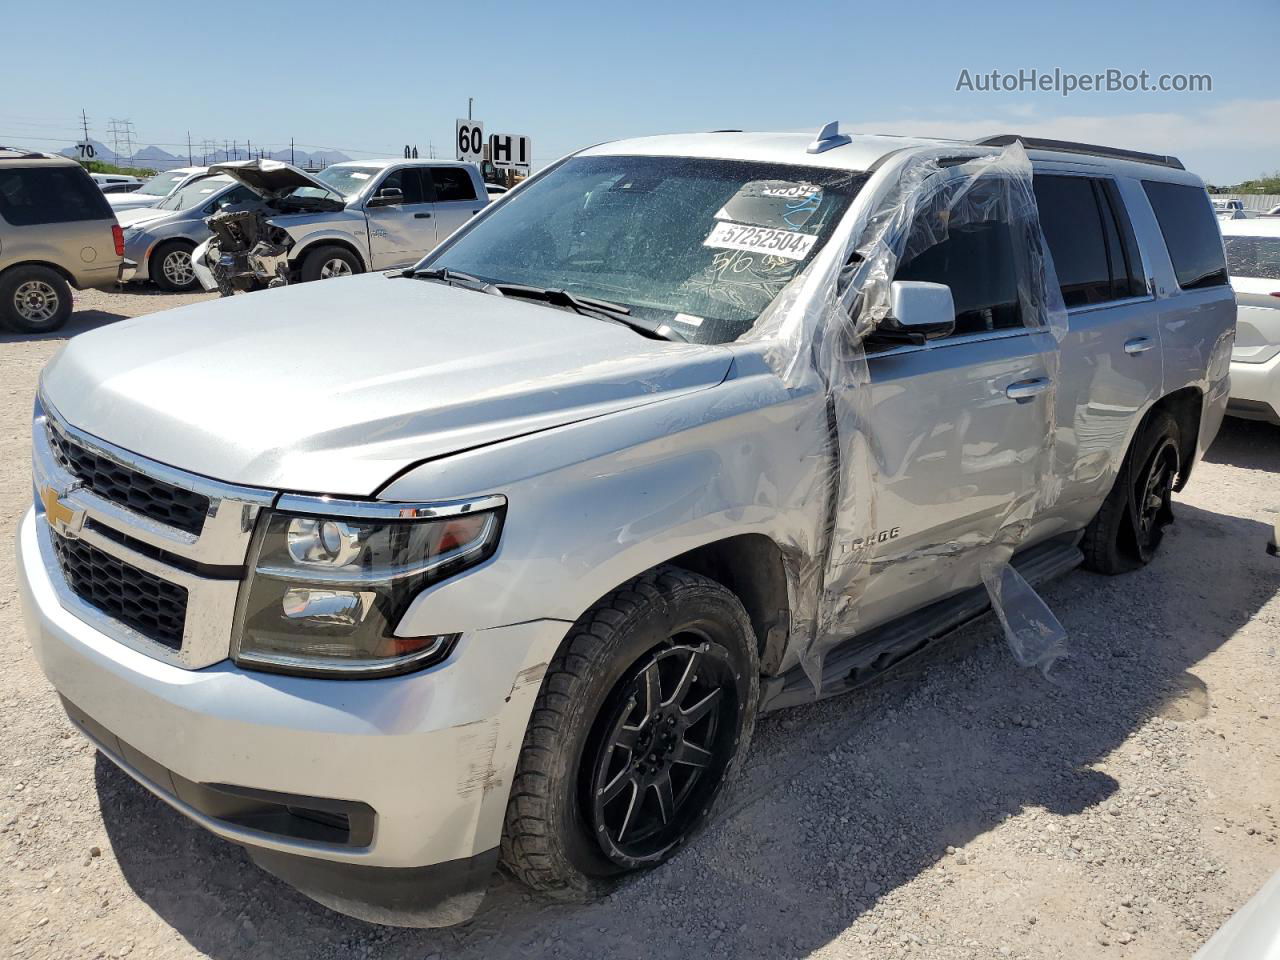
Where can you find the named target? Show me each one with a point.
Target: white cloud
(1231, 141)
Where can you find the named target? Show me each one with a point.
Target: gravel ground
(965, 809)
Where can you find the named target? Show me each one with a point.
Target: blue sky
(368, 77)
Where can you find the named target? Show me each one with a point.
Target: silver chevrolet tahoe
(499, 557)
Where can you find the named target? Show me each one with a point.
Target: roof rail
(829, 136)
(1069, 146)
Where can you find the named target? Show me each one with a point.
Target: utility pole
(84, 123)
(469, 102)
(190, 161)
(291, 152)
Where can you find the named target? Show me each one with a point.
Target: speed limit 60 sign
(470, 140)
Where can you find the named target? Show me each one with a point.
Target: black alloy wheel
(661, 750)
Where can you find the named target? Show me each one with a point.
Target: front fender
(592, 504)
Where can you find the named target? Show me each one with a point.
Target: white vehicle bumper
(1255, 390)
(421, 764)
(201, 268)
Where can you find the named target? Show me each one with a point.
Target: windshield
(162, 183)
(1256, 257)
(348, 181)
(194, 193)
(702, 245)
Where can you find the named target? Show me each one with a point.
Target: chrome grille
(149, 555)
(153, 606)
(167, 504)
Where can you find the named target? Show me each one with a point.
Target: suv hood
(334, 386)
(272, 178)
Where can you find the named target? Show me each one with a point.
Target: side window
(1072, 226)
(1190, 232)
(33, 195)
(453, 183)
(1089, 234)
(975, 260)
(1127, 279)
(407, 182)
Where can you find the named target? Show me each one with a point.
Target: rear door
(456, 199)
(400, 232)
(1111, 358)
(57, 214)
(954, 448)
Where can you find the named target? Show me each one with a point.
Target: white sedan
(156, 189)
(1253, 260)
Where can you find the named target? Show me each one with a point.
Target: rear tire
(325, 262)
(1130, 525)
(171, 268)
(34, 299)
(642, 719)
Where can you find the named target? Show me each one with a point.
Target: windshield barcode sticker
(779, 243)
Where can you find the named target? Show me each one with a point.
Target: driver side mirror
(919, 311)
(386, 197)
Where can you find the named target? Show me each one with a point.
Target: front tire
(326, 262)
(1130, 525)
(171, 268)
(642, 719)
(34, 299)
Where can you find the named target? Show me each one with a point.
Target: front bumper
(1255, 390)
(430, 753)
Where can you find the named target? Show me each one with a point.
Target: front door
(400, 231)
(958, 429)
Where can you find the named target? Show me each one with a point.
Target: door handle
(1138, 345)
(422, 216)
(1025, 390)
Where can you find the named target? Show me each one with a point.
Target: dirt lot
(969, 809)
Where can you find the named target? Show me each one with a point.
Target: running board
(863, 658)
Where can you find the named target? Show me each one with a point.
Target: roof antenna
(828, 137)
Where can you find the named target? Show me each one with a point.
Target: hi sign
(470, 140)
(510, 150)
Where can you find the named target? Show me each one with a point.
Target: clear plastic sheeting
(816, 337)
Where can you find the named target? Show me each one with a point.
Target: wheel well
(296, 259)
(1185, 406)
(60, 271)
(751, 566)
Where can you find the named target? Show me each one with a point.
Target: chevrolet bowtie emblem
(65, 520)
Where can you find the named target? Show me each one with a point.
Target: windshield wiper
(591, 306)
(445, 275)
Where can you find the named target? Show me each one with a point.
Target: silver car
(160, 239)
(500, 557)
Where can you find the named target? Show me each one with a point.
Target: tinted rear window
(453, 183)
(1257, 257)
(33, 195)
(1190, 233)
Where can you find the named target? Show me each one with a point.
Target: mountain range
(156, 158)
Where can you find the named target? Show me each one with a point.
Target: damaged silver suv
(498, 558)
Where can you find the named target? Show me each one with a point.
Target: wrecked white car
(348, 218)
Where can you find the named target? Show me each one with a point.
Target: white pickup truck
(348, 218)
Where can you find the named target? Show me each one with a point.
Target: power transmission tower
(121, 131)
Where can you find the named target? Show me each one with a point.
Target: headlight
(327, 591)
